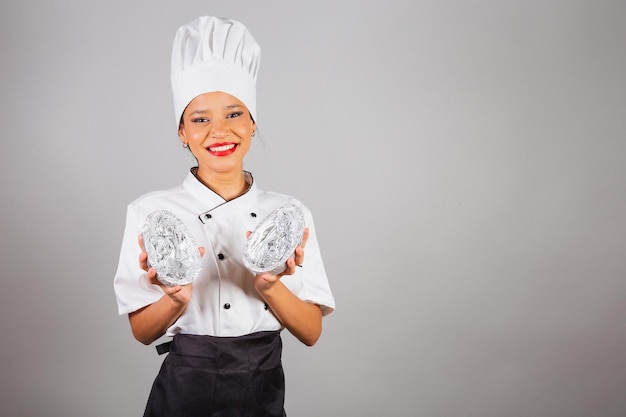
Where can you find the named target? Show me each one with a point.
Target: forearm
(301, 318)
(151, 322)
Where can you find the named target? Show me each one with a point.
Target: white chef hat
(214, 54)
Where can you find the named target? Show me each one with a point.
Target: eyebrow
(229, 107)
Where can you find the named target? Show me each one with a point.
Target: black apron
(220, 377)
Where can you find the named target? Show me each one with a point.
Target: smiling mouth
(222, 149)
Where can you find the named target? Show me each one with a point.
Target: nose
(218, 129)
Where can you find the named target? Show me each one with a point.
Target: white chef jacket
(224, 301)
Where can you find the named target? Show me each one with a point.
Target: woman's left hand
(266, 280)
(302, 318)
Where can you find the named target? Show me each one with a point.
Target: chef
(225, 351)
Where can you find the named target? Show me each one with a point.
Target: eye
(199, 120)
(234, 114)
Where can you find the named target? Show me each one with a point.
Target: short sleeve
(310, 282)
(132, 289)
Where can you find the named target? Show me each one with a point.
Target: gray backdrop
(463, 160)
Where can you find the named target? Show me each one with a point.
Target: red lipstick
(222, 149)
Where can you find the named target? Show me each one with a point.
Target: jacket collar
(210, 199)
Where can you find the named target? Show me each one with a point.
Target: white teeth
(222, 148)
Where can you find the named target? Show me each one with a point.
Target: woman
(224, 358)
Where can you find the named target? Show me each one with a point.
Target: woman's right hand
(151, 322)
(181, 294)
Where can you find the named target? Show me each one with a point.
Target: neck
(227, 185)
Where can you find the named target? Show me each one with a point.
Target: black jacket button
(227, 306)
(220, 256)
(253, 214)
(266, 306)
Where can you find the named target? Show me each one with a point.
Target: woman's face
(218, 129)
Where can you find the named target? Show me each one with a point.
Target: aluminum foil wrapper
(274, 240)
(171, 250)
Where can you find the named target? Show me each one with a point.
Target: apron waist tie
(163, 347)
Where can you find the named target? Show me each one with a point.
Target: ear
(182, 134)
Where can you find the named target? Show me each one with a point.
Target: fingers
(171, 290)
(291, 266)
(293, 262)
(140, 240)
(167, 289)
(143, 256)
(299, 252)
(152, 276)
(143, 261)
(298, 255)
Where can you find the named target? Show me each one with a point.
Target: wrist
(266, 286)
(174, 303)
